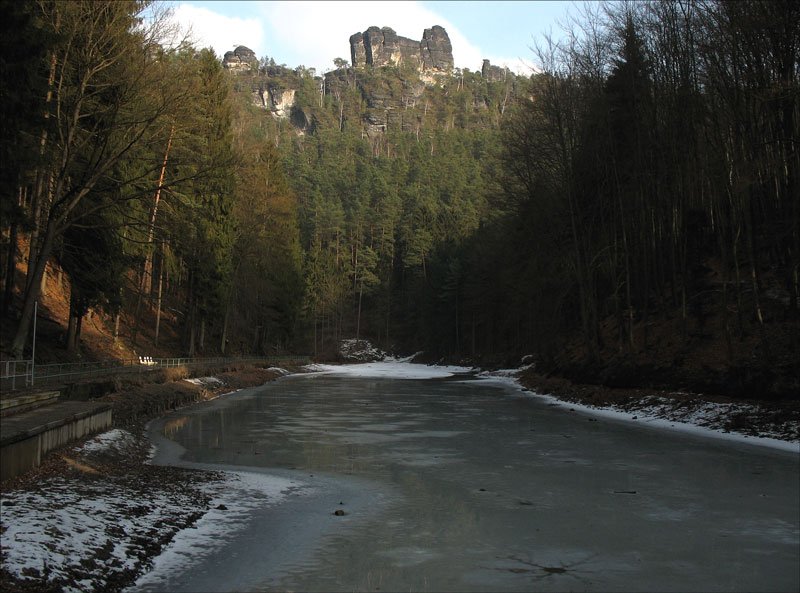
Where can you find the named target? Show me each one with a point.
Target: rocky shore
(778, 419)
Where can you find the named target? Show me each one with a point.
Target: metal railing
(20, 374)
(16, 374)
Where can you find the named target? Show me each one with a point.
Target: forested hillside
(393, 178)
(627, 214)
(133, 170)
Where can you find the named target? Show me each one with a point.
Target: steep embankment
(102, 335)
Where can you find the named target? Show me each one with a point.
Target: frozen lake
(454, 484)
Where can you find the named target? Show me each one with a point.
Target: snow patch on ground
(315, 368)
(279, 371)
(114, 440)
(80, 532)
(353, 350)
(59, 531)
(210, 382)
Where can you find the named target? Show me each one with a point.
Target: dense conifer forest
(628, 213)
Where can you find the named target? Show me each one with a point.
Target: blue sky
(314, 33)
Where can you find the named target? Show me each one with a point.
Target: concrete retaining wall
(27, 401)
(26, 453)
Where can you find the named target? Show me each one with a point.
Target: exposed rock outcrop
(241, 59)
(273, 97)
(391, 75)
(389, 101)
(436, 50)
(281, 101)
(493, 73)
(384, 47)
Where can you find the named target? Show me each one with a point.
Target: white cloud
(207, 28)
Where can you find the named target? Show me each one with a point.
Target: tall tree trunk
(34, 238)
(136, 312)
(44, 176)
(190, 314)
(223, 342)
(315, 331)
(78, 330)
(11, 268)
(116, 326)
(72, 330)
(191, 349)
(148, 262)
(73, 327)
(388, 315)
(322, 334)
(145, 280)
(33, 292)
(473, 334)
(358, 322)
(159, 292)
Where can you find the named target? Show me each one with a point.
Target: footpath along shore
(95, 514)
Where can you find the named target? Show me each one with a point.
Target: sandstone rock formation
(273, 97)
(384, 47)
(437, 52)
(242, 59)
(493, 73)
(388, 100)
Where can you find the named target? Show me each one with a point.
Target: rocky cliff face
(436, 50)
(384, 47)
(384, 98)
(388, 101)
(493, 73)
(242, 59)
(279, 101)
